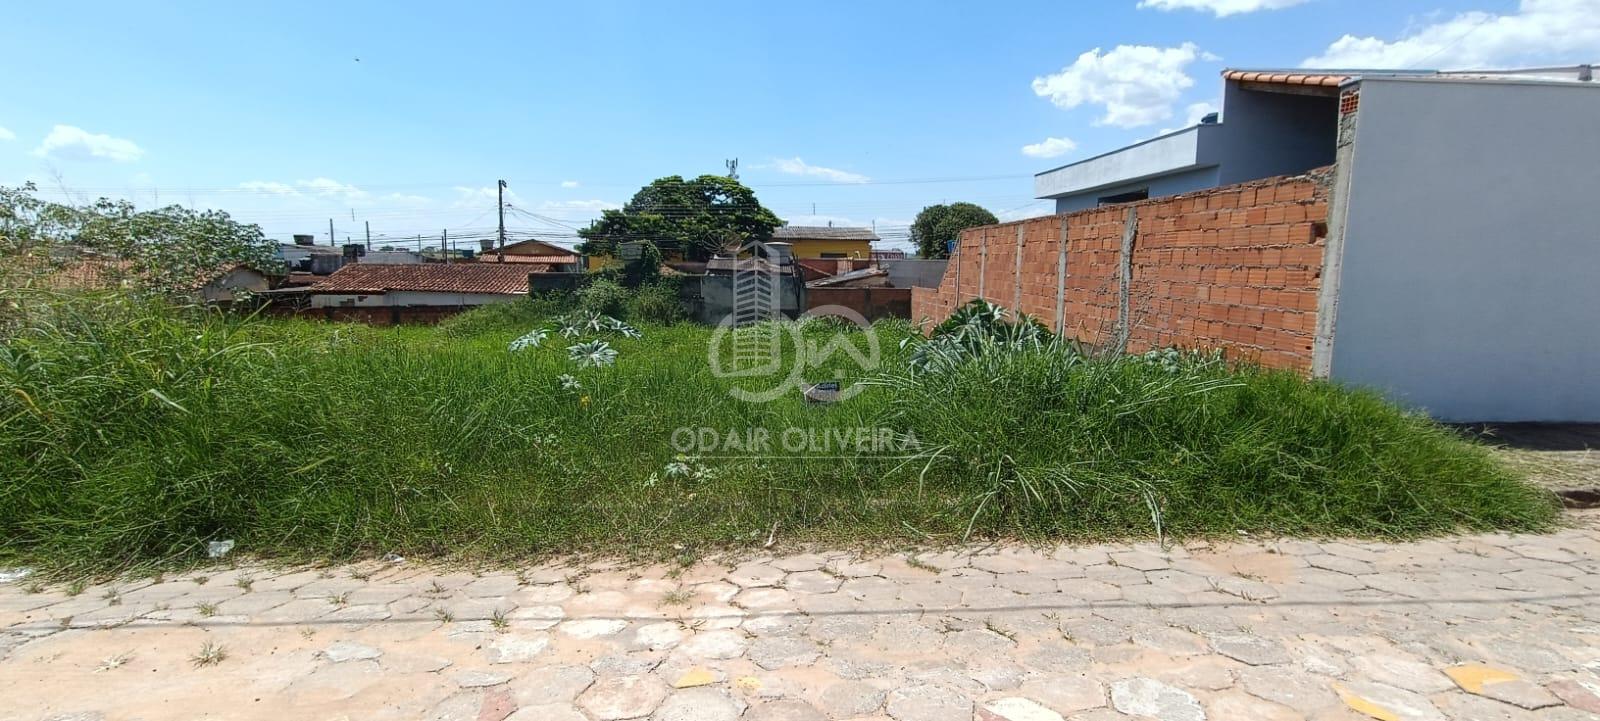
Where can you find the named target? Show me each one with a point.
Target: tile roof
(493, 278)
(786, 233)
(536, 259)
(1326, 80)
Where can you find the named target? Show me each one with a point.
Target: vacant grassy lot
(131, 433)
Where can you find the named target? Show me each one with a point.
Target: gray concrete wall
(915, 272)
(1470, 281)
(1185, 182)
(1270, 134)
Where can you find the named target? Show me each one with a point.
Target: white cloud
(7, 134)
(268, 186)
(1049, 148)
(796, 166)
(73, 143)
(1136, 84)
(569, 183)
(1220, 8)
(1540, 31)
(331, 188)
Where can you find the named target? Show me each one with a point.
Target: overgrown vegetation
(134, 432)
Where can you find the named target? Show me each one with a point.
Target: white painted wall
(408, 298)
(1471, 264)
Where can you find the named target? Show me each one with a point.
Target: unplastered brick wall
(1235, 268)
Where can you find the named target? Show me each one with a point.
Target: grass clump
(133, 432)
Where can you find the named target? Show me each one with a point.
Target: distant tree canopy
(699, 216)
(937, 225)
(168, 249)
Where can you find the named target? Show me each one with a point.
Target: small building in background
(429, 285)
(826, 242)
(537, 252)
(305, 256)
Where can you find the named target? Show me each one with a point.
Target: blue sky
(865, 110)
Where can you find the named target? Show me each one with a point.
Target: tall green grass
(133, 433)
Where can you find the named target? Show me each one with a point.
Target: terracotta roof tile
(1330, 80)
(495, 278)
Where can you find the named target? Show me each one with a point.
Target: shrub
(604, 297)
(657, 303)
(513, 316)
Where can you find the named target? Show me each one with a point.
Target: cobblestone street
(1481, 627)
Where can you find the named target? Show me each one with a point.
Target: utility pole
(369, 236)
(501, 199)
(444, 244)
(331, 240)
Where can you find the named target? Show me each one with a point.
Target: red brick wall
(1236, 268)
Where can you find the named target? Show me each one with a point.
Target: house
(1273, 122)
(425, 285)
(1443, 253)
(826, 241)
(305, 256)
(559, 259)
(223, 284)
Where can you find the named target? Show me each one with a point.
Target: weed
(1009, 635)
(677, 597)
(76, 587)
(202, 580)
(206, 610)
(114, 662)
(112, 597)
(211, 654)
(244, 583)
(499, 622)
(919, 564)
(147, 427)
(443, 615)
(339, 599)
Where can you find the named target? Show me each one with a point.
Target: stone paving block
(755, 575)
(1016, 708)
(785, 710)
(1152, 698)
(1171, 641)
(343, 651)
(1234, 705)
(1293, 688)
(812, 582)
(928, 703)
(699, 704)
(1387, 703)
(1253, 650)
(800, 563)
(1066, 694)
(551, 712)
(1139, 560)
(551, 685)
(623, 697)
(721, 644)
(775, 652)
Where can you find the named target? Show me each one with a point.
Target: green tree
(697, 216)
(169, 250)
(937, 225)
